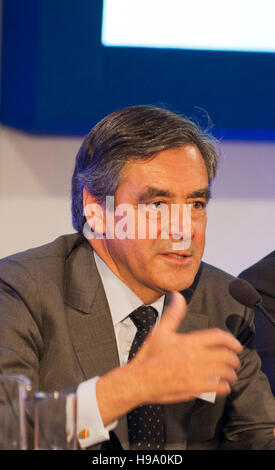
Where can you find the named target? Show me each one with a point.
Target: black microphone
(245, 293)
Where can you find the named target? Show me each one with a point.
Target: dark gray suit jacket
(262, 276)
(56, 328)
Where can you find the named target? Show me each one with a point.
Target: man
(77, 311)
(262, 276)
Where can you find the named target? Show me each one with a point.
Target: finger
(215, 337)
(223, 356)
(221, 372)
(173, 313)
(223, 388)
(214, 385)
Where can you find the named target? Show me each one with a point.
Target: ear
(94, 214)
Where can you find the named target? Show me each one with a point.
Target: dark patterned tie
(146, 424)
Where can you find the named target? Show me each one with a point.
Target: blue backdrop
(57, 78)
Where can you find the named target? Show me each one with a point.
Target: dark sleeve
(250, 410)
(262, 277)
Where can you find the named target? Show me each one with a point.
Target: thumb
(173, 313)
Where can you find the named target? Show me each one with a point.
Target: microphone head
(244, 293)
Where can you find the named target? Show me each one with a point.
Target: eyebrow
(202, 193)
(151, 192)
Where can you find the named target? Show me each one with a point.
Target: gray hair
(134, 133)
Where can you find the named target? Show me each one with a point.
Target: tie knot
(144, 318)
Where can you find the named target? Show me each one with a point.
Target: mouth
(182, 258)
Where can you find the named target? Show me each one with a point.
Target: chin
(177, 285)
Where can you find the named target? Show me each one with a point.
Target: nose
(181, 229)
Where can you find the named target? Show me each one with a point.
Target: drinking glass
(13, 394)
(55, 421)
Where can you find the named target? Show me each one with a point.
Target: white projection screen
(234, 25)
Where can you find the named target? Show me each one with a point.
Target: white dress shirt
(122, 301)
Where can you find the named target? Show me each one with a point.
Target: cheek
(199, 228)
(130, 251)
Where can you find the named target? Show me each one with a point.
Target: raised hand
(170, 366)
(176, 367)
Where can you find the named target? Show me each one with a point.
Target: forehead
(178, 170)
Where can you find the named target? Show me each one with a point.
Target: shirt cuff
(90, 428)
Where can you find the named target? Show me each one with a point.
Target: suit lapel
(193, 321)
(89, 317)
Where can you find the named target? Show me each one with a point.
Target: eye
(199, 205)
(156, 205)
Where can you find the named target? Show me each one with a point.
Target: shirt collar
(122, 300)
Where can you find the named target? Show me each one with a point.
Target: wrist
(119, 391)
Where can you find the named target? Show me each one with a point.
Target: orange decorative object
(84, 433)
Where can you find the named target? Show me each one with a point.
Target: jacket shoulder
(262, 274)
(215, 277)
(57, 248)
(212, 297)
(32, 265)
